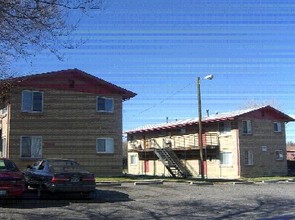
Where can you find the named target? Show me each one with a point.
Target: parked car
(59, 175)
(12, 182)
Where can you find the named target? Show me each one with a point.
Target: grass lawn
(130, 178)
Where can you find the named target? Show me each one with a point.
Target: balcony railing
(192, 141)
(185, 142)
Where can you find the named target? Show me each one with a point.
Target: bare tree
(28, 26)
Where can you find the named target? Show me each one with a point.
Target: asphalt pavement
(166, 200)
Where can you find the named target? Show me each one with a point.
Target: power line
(163, 100)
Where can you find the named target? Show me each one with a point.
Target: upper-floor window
(224, 127)
(247, 127)
(104, 104)
(104, 145)
(4, 111)
(3, 106)
(32, 101)
(31, 147)
(248, 157)
(277, 127)
(182, 131)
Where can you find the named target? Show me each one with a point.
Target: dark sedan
(12, 182)
(59, 175)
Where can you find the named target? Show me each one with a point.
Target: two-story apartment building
(244, 143)
(63, 114)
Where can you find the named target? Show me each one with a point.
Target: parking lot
(170, 200)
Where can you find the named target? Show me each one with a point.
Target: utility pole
(200, 141)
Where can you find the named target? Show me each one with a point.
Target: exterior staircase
(171, 161)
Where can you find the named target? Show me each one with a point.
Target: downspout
(8, 130)
(238, 152)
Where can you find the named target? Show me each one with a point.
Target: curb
(200, 183)
(148, 182)
(270, 181)
(108, 184)
(243, 183)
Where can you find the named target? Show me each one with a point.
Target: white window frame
(248, 126)
(249, 157)
(279, 155)
(227, 127)
(109, 145)
(106, 109)
(133, 159)
(33, 139)
(30, 107)
(229, 159)
(277, 127)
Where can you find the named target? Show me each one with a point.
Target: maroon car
(12, 182)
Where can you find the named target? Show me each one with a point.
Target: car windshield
(63, 166)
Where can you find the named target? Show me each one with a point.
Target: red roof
(256, 112)
(71, 79)
(290, 148)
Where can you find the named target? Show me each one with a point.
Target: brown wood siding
(69, 126)
(265, 163)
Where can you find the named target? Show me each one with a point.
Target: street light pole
(200, 128)
(200, 139)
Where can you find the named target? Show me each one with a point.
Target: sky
(158, 48)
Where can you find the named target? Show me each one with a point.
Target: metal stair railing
(170, 160)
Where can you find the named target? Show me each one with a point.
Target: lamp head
(209, 77)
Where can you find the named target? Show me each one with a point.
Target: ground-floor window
(3, 147)
(279, 155)
(248, 157)
(104, 145)
(226, 158)
(31, 147)
(133, 159)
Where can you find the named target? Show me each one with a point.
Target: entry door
(146, 166)
(205, 167)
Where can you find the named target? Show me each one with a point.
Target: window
(182, 131)
(4, 147)
(224, 127)
(277, 127)
(32, 101)
(248, 157)
(31, 147)
(105, 145)
(133, 159)
(4, 111)
(104, 104)
(247, 127)
(264, 148)
(226, 158)
(4, 106)
(279, 155)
